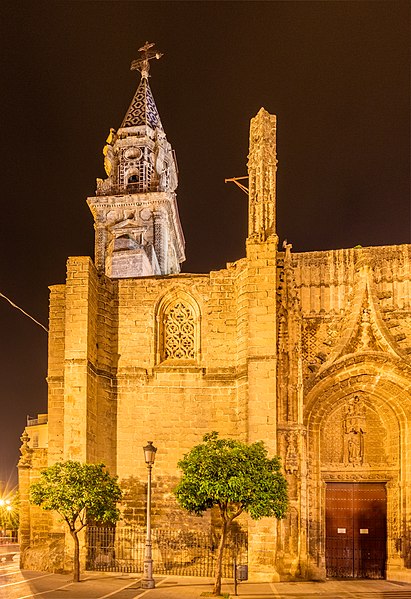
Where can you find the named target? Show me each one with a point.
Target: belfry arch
(364, 402)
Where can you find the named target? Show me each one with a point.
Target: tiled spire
(143, 109)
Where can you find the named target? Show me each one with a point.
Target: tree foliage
(234, 476)
(80, 493)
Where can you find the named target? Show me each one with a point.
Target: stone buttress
(257, 303)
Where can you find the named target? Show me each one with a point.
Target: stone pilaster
(261, 374)
(80, 401)
(161, 241)
(259, 297)
(55, 375)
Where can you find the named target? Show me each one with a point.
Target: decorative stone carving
(262, 166)
(357, 476)
(358, 434)
(354, 431)
(365, 330)
(291, 462)
(141, 179)
(289, 365)
(179, 329)
(395, 510)
(25, 450)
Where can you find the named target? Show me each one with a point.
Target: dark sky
(335, 73)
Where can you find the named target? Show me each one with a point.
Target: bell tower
(137, 227)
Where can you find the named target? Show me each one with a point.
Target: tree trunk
(76, 556)
(219, 562)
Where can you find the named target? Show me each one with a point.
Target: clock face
(133, 154)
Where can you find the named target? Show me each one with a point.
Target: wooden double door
(356, 530)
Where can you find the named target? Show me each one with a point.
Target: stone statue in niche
(291, 456)
(365, 339)
(354, 431)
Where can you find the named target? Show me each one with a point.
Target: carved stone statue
(291, 456)
(354, 431)
(25, 450)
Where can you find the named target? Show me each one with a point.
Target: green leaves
(236, 476)
(78, 492)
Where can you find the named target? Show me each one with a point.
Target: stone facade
(344, 401)
(309, 352)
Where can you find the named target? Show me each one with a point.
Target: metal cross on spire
(142, 64)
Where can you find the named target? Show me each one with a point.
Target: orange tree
(237, 478)
(79, 493)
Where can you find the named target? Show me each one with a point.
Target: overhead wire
(24, 312)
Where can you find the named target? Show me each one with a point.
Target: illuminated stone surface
(309, 352)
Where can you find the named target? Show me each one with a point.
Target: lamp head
(149, 453)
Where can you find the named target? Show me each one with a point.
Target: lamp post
(148, 580)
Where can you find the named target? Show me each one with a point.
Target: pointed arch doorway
(356, 530)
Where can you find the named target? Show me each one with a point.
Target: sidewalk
(16, 584)
(192, 588)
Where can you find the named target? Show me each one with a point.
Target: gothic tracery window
(179, 332)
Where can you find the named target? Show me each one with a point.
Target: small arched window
(179, 333)
(178, 330)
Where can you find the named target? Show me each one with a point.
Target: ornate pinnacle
(142, 64)
(25, 450)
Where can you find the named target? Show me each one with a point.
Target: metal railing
(183, 553)
(126, 189)
(41, 419)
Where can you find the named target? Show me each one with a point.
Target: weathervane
(142, 64)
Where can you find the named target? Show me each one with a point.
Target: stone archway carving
(357, 421)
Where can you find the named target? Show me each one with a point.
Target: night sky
(335, 73)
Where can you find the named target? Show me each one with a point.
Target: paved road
(17, 584)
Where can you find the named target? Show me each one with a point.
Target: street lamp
(148, 580)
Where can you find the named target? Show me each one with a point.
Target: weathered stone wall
(172, 402)
(310, 353)
(110, 389)
(55, 375)
(41, 548)
(119, 391)
(353, 312)
(343, 320)
(259, 309)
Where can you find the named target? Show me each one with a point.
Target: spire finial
(142, 64)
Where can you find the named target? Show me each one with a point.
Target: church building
(309, 352)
